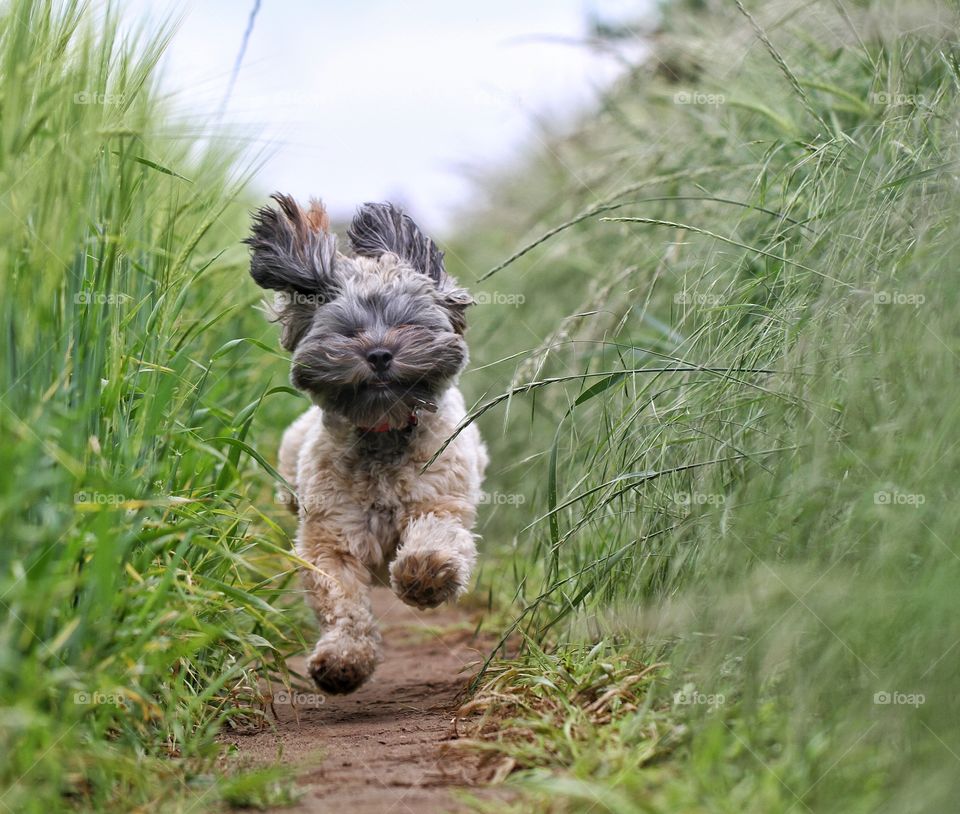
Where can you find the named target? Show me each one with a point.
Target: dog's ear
(378, 228)
(292, 249)
(293, 253)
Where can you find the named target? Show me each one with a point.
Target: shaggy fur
(377, 344)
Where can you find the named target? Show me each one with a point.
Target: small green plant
(259, 789)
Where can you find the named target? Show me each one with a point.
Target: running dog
(376, 338)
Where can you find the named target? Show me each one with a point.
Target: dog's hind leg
(339, 592)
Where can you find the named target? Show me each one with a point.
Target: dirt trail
(379, 749)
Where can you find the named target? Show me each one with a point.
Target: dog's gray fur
(381, 228)
(333, 317)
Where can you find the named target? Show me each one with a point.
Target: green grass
(142, 578)
(733, 425)
(716, 368)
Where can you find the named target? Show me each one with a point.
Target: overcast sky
(376, 100)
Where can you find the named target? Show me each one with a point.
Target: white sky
(376, 100)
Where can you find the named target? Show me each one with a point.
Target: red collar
(412, 421)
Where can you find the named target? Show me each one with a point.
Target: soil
(385, 747)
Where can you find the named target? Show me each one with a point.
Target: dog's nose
(379, 359)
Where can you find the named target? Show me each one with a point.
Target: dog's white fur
(359, 515)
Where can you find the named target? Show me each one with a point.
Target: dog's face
(382, 347)
(374, 337)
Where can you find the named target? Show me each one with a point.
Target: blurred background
(377, 100)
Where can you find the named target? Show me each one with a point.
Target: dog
(377, 344)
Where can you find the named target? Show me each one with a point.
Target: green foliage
(732, 431)
(717, 373)
(140, 588)
(259, 789)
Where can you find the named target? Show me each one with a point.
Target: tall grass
(718, 374)
(138, 583)
(730, 442)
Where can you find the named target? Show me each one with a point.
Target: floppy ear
(293, 254)
(378, 228)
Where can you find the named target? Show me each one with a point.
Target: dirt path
(380, 749)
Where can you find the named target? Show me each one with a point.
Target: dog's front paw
(426, 579)
(340, 663)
